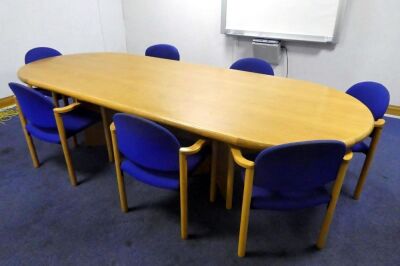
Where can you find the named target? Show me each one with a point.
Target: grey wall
(367, 47)
(70, 26)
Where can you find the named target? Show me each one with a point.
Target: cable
(287, 60)
(235, 47)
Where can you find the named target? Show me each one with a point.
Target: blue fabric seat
(263, 198)
(74, 122)
(293, 176)
(373, 94)
(288, 200)
(165, 51)
(160, 179)
(156, 178)
(290, 177)
(254, 65)
(39, 53)
(38, 120)
(38, 110)
(150, 151)
(361, 147)
(376, 98)
(153, 155)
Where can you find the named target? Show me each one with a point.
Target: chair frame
(376, 135)
(183, 177)
(64, 143)
(247, 193)
(107, 135)
(58, 111)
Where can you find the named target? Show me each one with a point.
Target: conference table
(229, 107)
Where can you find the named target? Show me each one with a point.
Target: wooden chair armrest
(66, 109)
(379, 123)
(348, 156)
(195, 148)
(112, 127)
(240, 160)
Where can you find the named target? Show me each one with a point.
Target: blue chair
(376, 97)
(165, 51)
(152, 155)
(290, 177)
(40, 53)
(40, 119)
(254, 65)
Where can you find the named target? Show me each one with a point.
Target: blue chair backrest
(165, 51)
(36, 107)
(40, 53)
(299, 166)
(374, 95)
(146, 143)
(254, 65)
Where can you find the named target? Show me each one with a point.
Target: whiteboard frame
(286, 36)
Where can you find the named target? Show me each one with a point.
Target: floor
(45, 221)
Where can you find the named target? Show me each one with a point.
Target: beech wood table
(237, 108)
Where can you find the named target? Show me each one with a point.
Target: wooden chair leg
(183, 194)
(28, 138)
(65, 100)
(213, 183)
(120, 177)
(106, 133)
(332, 204)
(229, 182)
(74, 141)
(368, 161)
(244, 219)
(55, 99)
(64, 144)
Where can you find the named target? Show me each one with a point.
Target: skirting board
(7, 101)
(393, 110)
(10, 100)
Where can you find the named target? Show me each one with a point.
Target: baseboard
(7, 101)
(393, 110)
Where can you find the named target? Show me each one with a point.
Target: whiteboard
(302, 20)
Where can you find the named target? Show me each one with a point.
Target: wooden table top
(240, 108)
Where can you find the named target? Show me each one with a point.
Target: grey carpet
(45, 221)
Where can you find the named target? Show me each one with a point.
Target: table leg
(220, 170)
(94, 135)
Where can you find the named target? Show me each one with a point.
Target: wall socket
(269, 50)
